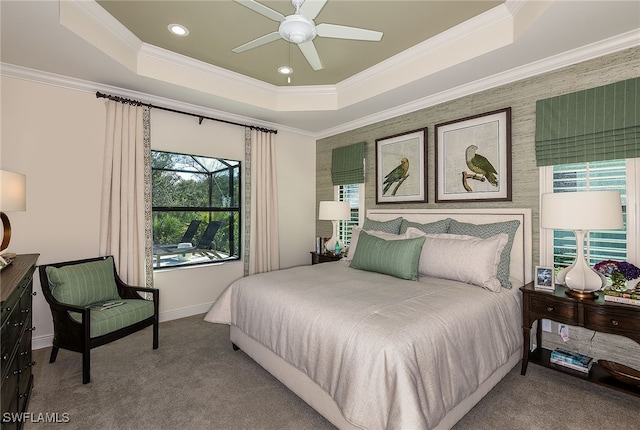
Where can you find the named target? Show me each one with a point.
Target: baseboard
(185, 312)
(39, 342)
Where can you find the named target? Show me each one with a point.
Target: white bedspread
(393, 354)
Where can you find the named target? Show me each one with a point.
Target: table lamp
(334, 211)
(581, 212)
(13, 197)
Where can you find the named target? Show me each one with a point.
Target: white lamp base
(580, 278)
(330, 245)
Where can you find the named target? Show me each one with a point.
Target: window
(194, 190)
(559, 246)
(353, 193)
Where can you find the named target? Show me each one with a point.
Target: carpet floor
(195, 380)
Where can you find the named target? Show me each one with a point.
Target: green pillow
(391, 226)
(436, 227)
(397, 258)
(83, 284)
(488, 230)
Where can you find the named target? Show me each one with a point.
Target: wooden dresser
(16, 292)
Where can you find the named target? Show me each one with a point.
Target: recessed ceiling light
(285, 70)
(178, 30)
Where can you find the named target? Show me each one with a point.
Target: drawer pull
(25, 311)
(5, 356)
(34, 293)
(549, 308)
(18, 324)
(614, 322)
(8, 308)
(17, 372)
(31, 329)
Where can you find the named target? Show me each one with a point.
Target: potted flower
(618, 272)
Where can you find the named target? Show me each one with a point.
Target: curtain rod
(200, 117)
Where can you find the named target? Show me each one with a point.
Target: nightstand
(593, 314)
(323, 258)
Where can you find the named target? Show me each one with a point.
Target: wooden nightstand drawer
(612, 321)
(555, 310)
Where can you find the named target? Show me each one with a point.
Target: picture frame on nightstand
(544, 278)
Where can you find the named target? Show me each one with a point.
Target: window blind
(349, 193)
(596, 176)
(347, 164)
(597, 124)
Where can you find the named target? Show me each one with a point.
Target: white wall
(55, 136)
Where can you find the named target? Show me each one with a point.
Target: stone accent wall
(521, 96)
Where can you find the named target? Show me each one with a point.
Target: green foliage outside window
(189, 187)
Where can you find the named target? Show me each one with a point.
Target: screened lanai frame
(179, 197)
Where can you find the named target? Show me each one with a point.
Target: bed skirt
(318, 399)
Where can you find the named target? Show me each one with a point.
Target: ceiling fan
(300, 29)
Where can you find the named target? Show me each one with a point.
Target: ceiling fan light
(297, 29)
(285, 70)
(178, 30)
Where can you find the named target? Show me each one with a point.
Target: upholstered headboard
(521, 257)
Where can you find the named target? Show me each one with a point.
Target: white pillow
(355, 232)
(468, 259)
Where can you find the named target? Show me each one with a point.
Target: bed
(377, 347)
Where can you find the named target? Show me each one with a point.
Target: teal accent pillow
(397, 258)
(488, 230)
(436, 227)
(391, 226)
(83, 284)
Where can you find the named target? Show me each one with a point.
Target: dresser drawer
(555, 310)
(612, 321)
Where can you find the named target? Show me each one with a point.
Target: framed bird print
(473, 158)
(401, 165)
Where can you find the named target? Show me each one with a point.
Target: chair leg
(54, 354)
(155, 334)
(86, 366)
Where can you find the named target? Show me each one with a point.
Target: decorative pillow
(391, 226)
(436, 227)
(487, 230)
(83, 284)
(397, 258)
(461, 258)
(355, 233)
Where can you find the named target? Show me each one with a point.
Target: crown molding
(74, 84)
(579, 55)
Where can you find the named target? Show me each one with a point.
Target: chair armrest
(130, 292)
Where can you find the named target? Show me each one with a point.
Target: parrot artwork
(396, 175)
(480, 165)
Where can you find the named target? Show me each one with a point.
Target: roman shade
(347, 164)
(597, 124)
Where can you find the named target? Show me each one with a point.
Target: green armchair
(75, 289)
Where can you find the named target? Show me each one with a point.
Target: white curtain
(263, 251)
(125, 215)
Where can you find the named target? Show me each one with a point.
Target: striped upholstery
(397, 258)
(112, 319)
(84, 284)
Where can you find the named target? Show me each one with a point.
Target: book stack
(572, 360)
(629, 297)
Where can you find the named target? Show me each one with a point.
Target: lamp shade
(583, 210)
(13, 191)
(334, 211)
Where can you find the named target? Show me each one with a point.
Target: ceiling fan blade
(344, 32)
(311, 54)
(263, 40)
(261, 9)
(311, 8)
